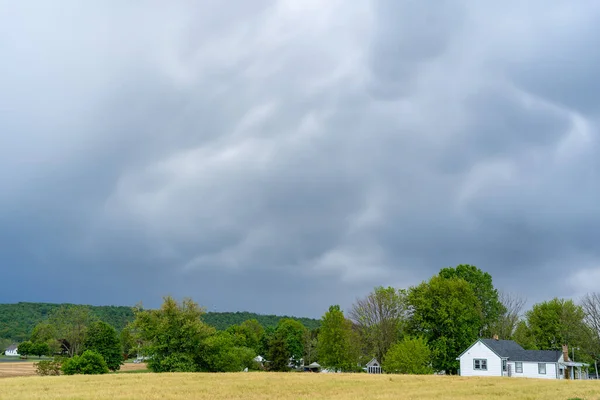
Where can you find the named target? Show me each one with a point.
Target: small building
(494, 357)
(312, 367)
(12, 351)
(374, 367)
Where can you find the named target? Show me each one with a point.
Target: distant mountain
(18, 320)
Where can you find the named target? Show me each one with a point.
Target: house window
(503, 365)
(542, 368)
(480, 364)
(519, 367)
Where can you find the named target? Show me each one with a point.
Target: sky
(283, 156)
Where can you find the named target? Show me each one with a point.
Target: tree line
(18, 320)
(419, 330)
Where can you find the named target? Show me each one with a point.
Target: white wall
(479, 350)
(12, 353)
(530, 370)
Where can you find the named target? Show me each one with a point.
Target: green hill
(18, 320)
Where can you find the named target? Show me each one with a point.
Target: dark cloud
(281, 156)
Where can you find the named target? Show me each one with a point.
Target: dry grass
(283, 386)
(24, 368)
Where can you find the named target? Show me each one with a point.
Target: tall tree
(103, 339)
(507, 322)
(173, 335)
(247, 334)
(446, 313)
(70, 325)
(524, 337)
(380, 317)
(591, 307)
(287, 342)
(556, 322)
(481, 283)
(335, 341)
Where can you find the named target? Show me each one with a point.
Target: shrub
(89, 363)
(45, 368)
(410, 356)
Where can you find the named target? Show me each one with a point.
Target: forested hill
(18, 320)
(223, 320)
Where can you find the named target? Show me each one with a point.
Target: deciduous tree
(335, 341)
(380, 317)
(70, 324)
(507, 322)
(446, 313)
(481, 283)
(410, 356)
(25, 349)
(102, 338)
(173, 336)
(556, 322)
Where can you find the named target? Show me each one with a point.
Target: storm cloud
(282, 156)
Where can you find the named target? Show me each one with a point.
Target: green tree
(40, 349)
(380, 317)
(102, 338)
(278, 356)
(291, 333)
(173, 336)
(128, 342)
(88, 363)
(481, 283)
(524, 337)
(446, 313)
(335, 341)
(410, 356)
(25, 349)
(556, 322)
(45, 332)
(221, 354)
(310, 346)
(247, 334)
(70, 324)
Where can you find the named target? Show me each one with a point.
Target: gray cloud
(257, 153)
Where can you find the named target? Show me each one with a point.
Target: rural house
(12, 351)
(493, 357)
(373, 367)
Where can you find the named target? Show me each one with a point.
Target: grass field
(284, 386)
(17, 369)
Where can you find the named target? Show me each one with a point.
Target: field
(282, 386)
(26, 368)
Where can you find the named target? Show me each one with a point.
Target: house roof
(373, 362)
(12, 347)
(511, 350)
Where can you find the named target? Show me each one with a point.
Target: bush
(410, 356)
(89, 363)
(46, 368)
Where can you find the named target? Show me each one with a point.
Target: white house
(12, 351)
(493, 357)
(374, 367)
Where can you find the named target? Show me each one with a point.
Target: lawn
(282, 386)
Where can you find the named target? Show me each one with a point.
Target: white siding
(13, 353)
(480, 350)
(530, 370)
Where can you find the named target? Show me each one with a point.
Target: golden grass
(282, 386)
(26, 368)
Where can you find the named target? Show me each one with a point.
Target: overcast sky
(282, 156)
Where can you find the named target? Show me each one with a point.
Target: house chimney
(565, 349)
(495, 337)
